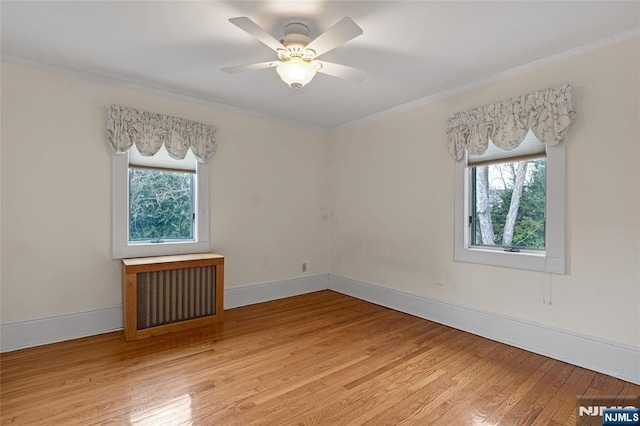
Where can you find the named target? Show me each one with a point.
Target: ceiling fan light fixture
(296, 72)
(297, 52)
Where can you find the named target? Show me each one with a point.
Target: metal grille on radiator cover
(169, 296)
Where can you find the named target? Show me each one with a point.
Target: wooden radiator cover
(170, 293)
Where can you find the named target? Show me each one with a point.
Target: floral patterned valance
(149, 131)
(547, 113)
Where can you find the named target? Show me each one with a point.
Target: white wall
(269, 198)
(391, 199)
(392, 204)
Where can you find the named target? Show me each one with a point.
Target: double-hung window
(509, 182)
(161, 204)
(509, 207)
(160, 191)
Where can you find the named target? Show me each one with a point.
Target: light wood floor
(320, 358)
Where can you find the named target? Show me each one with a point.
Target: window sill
(160, 249)
(522, 252)
(519, 260)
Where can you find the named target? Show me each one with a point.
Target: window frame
(552, 259)
(121, 248)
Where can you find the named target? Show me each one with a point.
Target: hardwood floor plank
(357, 405)
(458, 410)
(320, 358)
(559, 408)
(335, 387)
(532, 404)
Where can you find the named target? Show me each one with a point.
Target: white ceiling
(411, 49)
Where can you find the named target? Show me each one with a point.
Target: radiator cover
(170, 293)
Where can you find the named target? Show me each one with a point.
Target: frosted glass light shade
(296, 72)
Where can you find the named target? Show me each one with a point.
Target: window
(509, 207)
(160, 205)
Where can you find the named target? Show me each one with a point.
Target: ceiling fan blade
(257, 31)
(340, 33)
(342, 71)
(250, 67)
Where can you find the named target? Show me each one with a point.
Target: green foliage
(160, 205)
(529, 230)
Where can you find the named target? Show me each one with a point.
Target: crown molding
(198, 99)
(494, 78)
(151, 88)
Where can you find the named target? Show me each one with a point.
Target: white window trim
(553, 259)
(120, 204)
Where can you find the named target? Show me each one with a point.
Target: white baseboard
(256, 293)
(42, 331)
(603, 356)
(595, 354)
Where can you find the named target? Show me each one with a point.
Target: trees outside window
(161, 205)
(509, 204)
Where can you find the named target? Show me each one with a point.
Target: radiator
(165, 297)
(170, 293)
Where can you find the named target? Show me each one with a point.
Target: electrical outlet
(304, 267)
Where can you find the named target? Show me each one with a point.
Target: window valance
(149, 131)
(547, 113)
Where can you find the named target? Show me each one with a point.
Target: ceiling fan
(297, 53)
